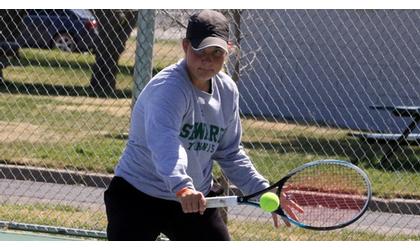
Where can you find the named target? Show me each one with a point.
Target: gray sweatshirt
(176, 133)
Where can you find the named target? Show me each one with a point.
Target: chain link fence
(308, 79)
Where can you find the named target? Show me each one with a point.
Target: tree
(115, 27)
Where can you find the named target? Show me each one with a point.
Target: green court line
(27, 236)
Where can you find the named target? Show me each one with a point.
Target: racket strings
(329, 195)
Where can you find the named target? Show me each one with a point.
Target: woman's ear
(232, 48)
(185, 44)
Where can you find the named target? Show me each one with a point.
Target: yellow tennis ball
(269, 202)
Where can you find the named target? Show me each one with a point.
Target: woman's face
(203, 64)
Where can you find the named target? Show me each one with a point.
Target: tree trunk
(115, 27)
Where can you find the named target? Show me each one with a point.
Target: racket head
(331, 193)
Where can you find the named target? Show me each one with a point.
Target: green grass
(53, 215)
(58, 68)
(53, 67)
(60, 134)
(79, 133)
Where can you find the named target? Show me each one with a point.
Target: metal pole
(144, 51)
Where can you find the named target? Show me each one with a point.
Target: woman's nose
(206, 57)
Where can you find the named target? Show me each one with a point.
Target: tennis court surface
(28, 236)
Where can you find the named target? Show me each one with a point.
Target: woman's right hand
(192, 201)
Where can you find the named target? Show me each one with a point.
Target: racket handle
(222, 201)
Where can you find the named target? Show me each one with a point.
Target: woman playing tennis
(184, 119)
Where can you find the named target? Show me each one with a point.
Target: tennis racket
(319, 195)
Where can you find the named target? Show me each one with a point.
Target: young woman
(184, 119)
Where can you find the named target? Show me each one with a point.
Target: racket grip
(223, 201)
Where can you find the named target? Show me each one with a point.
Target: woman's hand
(288, 207)
(192, 201)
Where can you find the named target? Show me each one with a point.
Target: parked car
(65, 29)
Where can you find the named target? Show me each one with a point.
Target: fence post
(144, 51)
(235, 58)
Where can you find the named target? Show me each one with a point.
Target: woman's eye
(219, 53)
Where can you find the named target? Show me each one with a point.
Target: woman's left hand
(287, 205)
